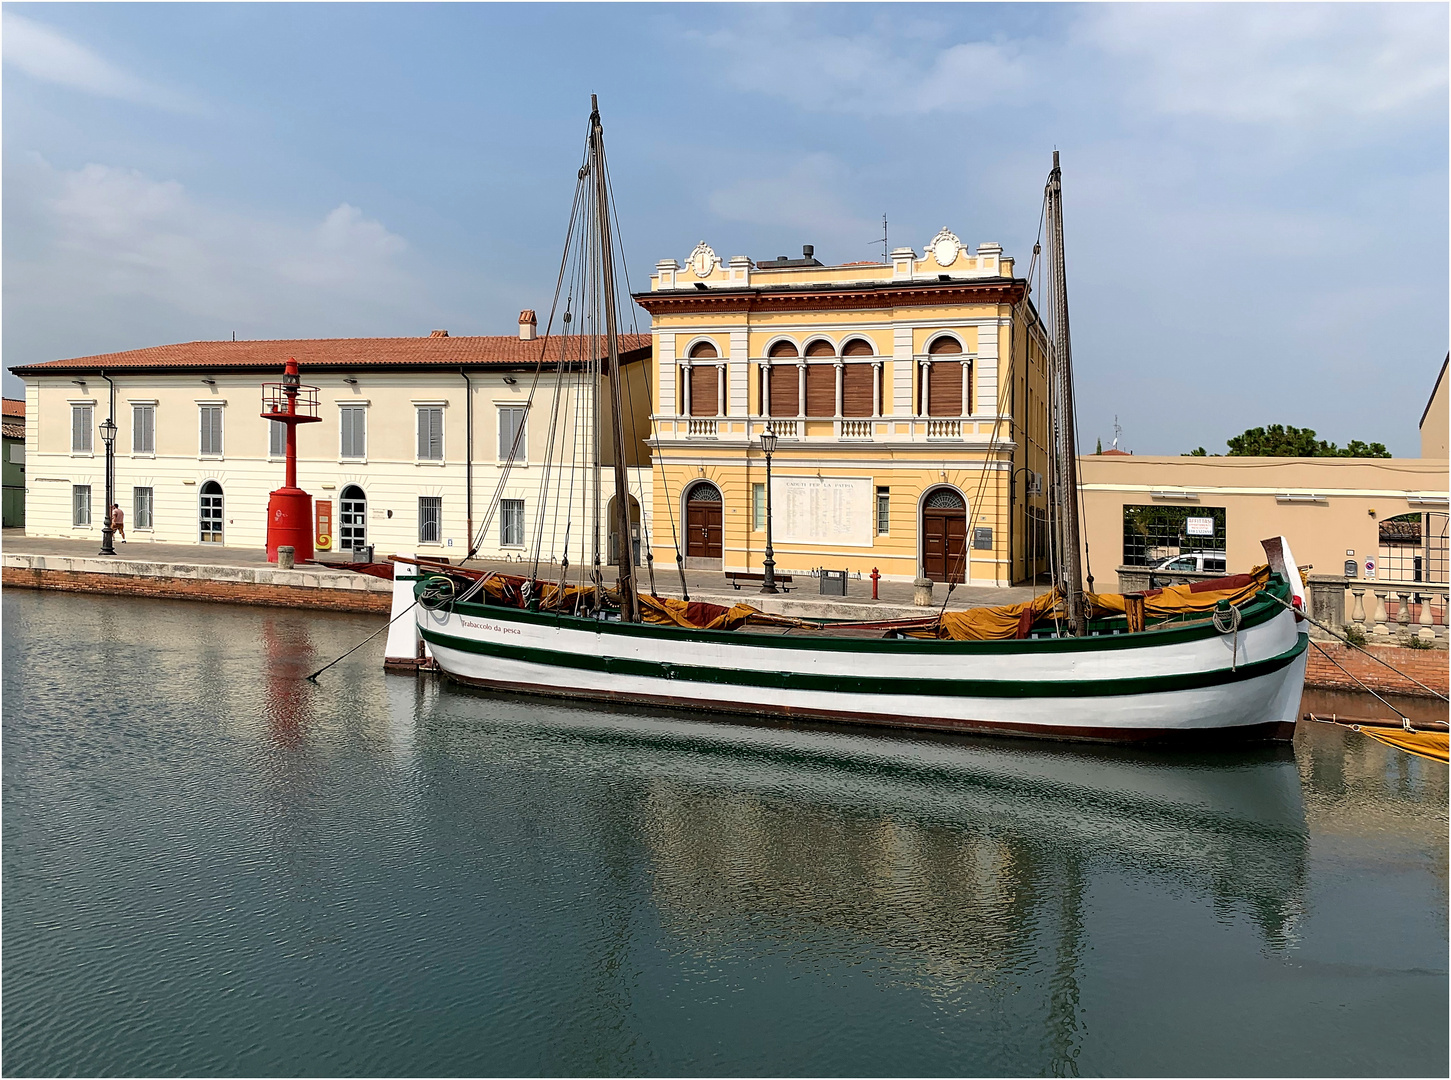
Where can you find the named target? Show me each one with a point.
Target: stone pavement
(191, 561)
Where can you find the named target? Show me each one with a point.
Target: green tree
(1099, 450)
(1280, 440)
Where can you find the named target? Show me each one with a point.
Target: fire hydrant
(876, 577)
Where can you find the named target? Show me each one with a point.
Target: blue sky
(1255, 195)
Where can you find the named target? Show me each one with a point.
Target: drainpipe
(469, 456)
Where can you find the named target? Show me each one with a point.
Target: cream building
(411, 451)
(909, 399)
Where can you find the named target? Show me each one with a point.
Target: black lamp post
(768, 444)
(108, 436)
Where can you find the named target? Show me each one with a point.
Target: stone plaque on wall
(835, 510)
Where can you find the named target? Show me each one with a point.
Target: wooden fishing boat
(1218, 660)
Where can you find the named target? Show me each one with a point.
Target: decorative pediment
(703, 260)
(943, 247)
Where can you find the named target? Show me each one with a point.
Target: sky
(1255, 196)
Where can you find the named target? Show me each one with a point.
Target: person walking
(118, 521)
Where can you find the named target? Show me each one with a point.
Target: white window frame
(419, 408)
(437, 540)
(89, 450)
(506, 509)
(522, 460)
(150, 509)
(362, 409)
(75, 489)
(139, 408)
(882, 511)
(221, 407)
(758, 507)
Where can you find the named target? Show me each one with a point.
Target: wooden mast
(629, 602)
(1065, 430)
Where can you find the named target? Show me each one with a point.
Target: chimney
(528, 325)
(439, 333)
(808, 251)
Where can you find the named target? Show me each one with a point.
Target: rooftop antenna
(885, 257)
(1117, 431)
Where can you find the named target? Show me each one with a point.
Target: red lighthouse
(289, 510)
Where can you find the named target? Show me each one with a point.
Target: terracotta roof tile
(332, 354)
(14, 407)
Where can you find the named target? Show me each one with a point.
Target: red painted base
(289, 521)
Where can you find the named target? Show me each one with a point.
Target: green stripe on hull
(856, 684)
(1259, 611)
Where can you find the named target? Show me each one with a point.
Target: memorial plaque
(834, 510)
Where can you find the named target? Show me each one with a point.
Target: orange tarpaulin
(1196, 596)
(1426, 744)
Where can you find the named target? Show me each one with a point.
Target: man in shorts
(118, 521)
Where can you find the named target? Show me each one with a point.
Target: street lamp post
(108, 436)
(768, 444)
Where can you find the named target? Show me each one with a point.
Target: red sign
(323, 509)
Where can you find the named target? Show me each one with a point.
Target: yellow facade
(873, 450)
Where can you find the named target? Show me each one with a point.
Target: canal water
(211, 866)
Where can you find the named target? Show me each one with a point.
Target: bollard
(922, 592)
(286, 554)
(876, 577)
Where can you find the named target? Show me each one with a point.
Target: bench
(782, 580)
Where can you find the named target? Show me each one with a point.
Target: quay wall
(303, 588)
(1427, 666)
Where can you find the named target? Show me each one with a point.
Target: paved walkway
(804, 598)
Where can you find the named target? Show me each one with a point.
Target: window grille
(141, 506)
(758, 507)
(430, 514)
(143, 429)
(430, 433)
(884, 510)
(353, 431)
(1155, 533)
(211, 429)
(511, 522)
(511, 428)
(81, 429)
(276, 438)
(1413, 548)
(945, 499)
(81, 504)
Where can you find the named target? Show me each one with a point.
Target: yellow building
(909, 399)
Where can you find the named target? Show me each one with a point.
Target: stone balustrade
(1384, 611)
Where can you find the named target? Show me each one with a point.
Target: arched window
(703, 350)
(858, 380)
(783, 350)
(352, 518)
(704, 381)
(820, 347)
(785, 387)
(857, 347)
(949, 380)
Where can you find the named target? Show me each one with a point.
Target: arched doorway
(634, 532)
(352, 518)
(703, 534)
(210, 512)
(944, 535)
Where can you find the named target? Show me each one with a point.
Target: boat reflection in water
(954, 861)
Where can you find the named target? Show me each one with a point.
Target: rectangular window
(276, 439)
(430, 513)
(353, 428)
(143, 429)
(430, 433)
(511, 427)
(17, 453)
(884, 510)
(1155, 535)
(80, 504)
(758, 507)
(211, 429)
(141, 500)
(511, 522)
(81, 429)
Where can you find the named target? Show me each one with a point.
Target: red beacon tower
(289, 510)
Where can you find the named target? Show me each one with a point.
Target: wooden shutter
(785, 393)
(857, 384)
(856, 347)
(703, 388)
(820, 348)
(704, 350)
(944, 388)
(821, 390)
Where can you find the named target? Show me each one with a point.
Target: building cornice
(834, 297)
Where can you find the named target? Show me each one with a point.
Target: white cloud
(1274, 63)
(44, 54)
(95, 238)
(885, 72)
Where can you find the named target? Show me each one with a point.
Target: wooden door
(944, 543)
(703, 529)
